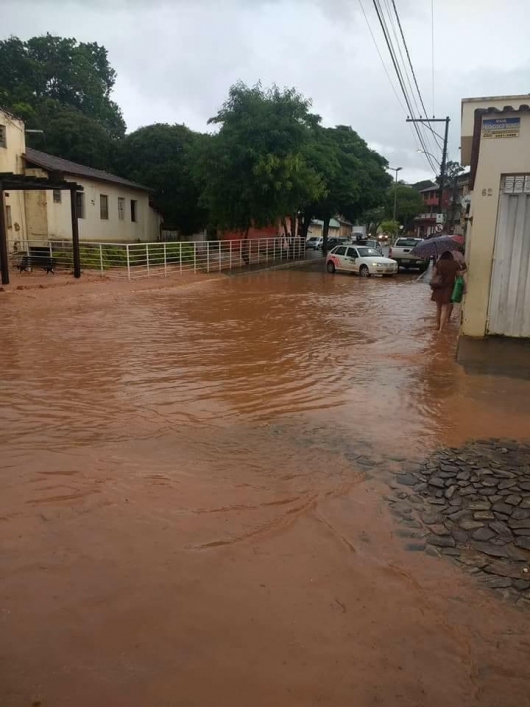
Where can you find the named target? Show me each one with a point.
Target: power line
(412, 70)
(399, 75)
(432, 52)
(382, 60)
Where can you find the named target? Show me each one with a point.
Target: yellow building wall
(496, 158)
(92, 227)
(50, 220)
(469, 105)
(11, 161)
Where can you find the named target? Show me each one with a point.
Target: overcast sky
(176, 59)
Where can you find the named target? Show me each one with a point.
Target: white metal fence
(139, 260)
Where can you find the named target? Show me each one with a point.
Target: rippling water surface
(179, 465)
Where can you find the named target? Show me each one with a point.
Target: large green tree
(354, 176)
(254, 170)
(160, 156)
(55, 82)
(408, 203)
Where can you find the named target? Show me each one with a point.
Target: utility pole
(444, 152)
(396, 170)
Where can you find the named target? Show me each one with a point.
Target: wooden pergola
(21, 182)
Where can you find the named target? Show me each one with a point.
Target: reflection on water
(183, 468)
(248, 349)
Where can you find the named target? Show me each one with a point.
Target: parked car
(370, 242)
(314, 242)
(401, 250)
(333, 242)
(360, 259)
(373, 243)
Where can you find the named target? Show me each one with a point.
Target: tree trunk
(306, 223)
(325, 233)
(284, 224)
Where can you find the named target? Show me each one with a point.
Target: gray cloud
(177, 58)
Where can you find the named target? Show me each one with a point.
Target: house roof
(462, 177)
(433, 188)
(9, 114)
(57, 164)
(333, 222)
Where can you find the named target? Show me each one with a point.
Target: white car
(314, 242)
(360, 259)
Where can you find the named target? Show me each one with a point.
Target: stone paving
(471, 504)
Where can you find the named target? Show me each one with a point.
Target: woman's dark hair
(447, 255)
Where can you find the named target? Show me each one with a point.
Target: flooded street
(192, 506)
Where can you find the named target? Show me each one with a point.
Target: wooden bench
(28, 262)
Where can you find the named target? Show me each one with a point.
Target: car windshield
(368, 253)
(408, 242)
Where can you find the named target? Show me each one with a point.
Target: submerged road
(192, 501)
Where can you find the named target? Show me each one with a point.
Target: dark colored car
(333, 242)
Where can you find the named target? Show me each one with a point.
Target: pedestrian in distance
(445, 273)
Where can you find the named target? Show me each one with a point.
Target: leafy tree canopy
(159, 156)
(409, 203)
(355, 176)
(255, 168)
(52, 82)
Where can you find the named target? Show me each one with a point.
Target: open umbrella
(437, 246)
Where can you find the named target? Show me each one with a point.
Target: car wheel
(363, 271)
(330, 266)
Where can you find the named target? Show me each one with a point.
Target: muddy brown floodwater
(185, 513)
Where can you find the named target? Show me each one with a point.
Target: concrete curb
(281, 266)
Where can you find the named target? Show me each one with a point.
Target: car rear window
(407, 242)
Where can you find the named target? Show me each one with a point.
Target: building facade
(317, 228)
(425, 223)
(496, 310)
(110, 209)
(12, 148)
(449, 213)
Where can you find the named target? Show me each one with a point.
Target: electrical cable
(432, 52)
(434, 133)
(399, 74)
(399, 100)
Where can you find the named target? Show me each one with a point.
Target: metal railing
(140, 260)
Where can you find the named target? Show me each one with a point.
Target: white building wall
(496, 158)
(11, 161)
(92, 227)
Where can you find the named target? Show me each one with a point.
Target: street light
(424, 152)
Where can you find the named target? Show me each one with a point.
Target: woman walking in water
(442, 283)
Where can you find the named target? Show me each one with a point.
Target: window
(80, 204)
(104, 207)
(134, 204)
(9, 219)
(121, 208)
(3, 140)
(367, 253)
(407, 242)
(352, 253)
(57, 196)
(340, 251)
